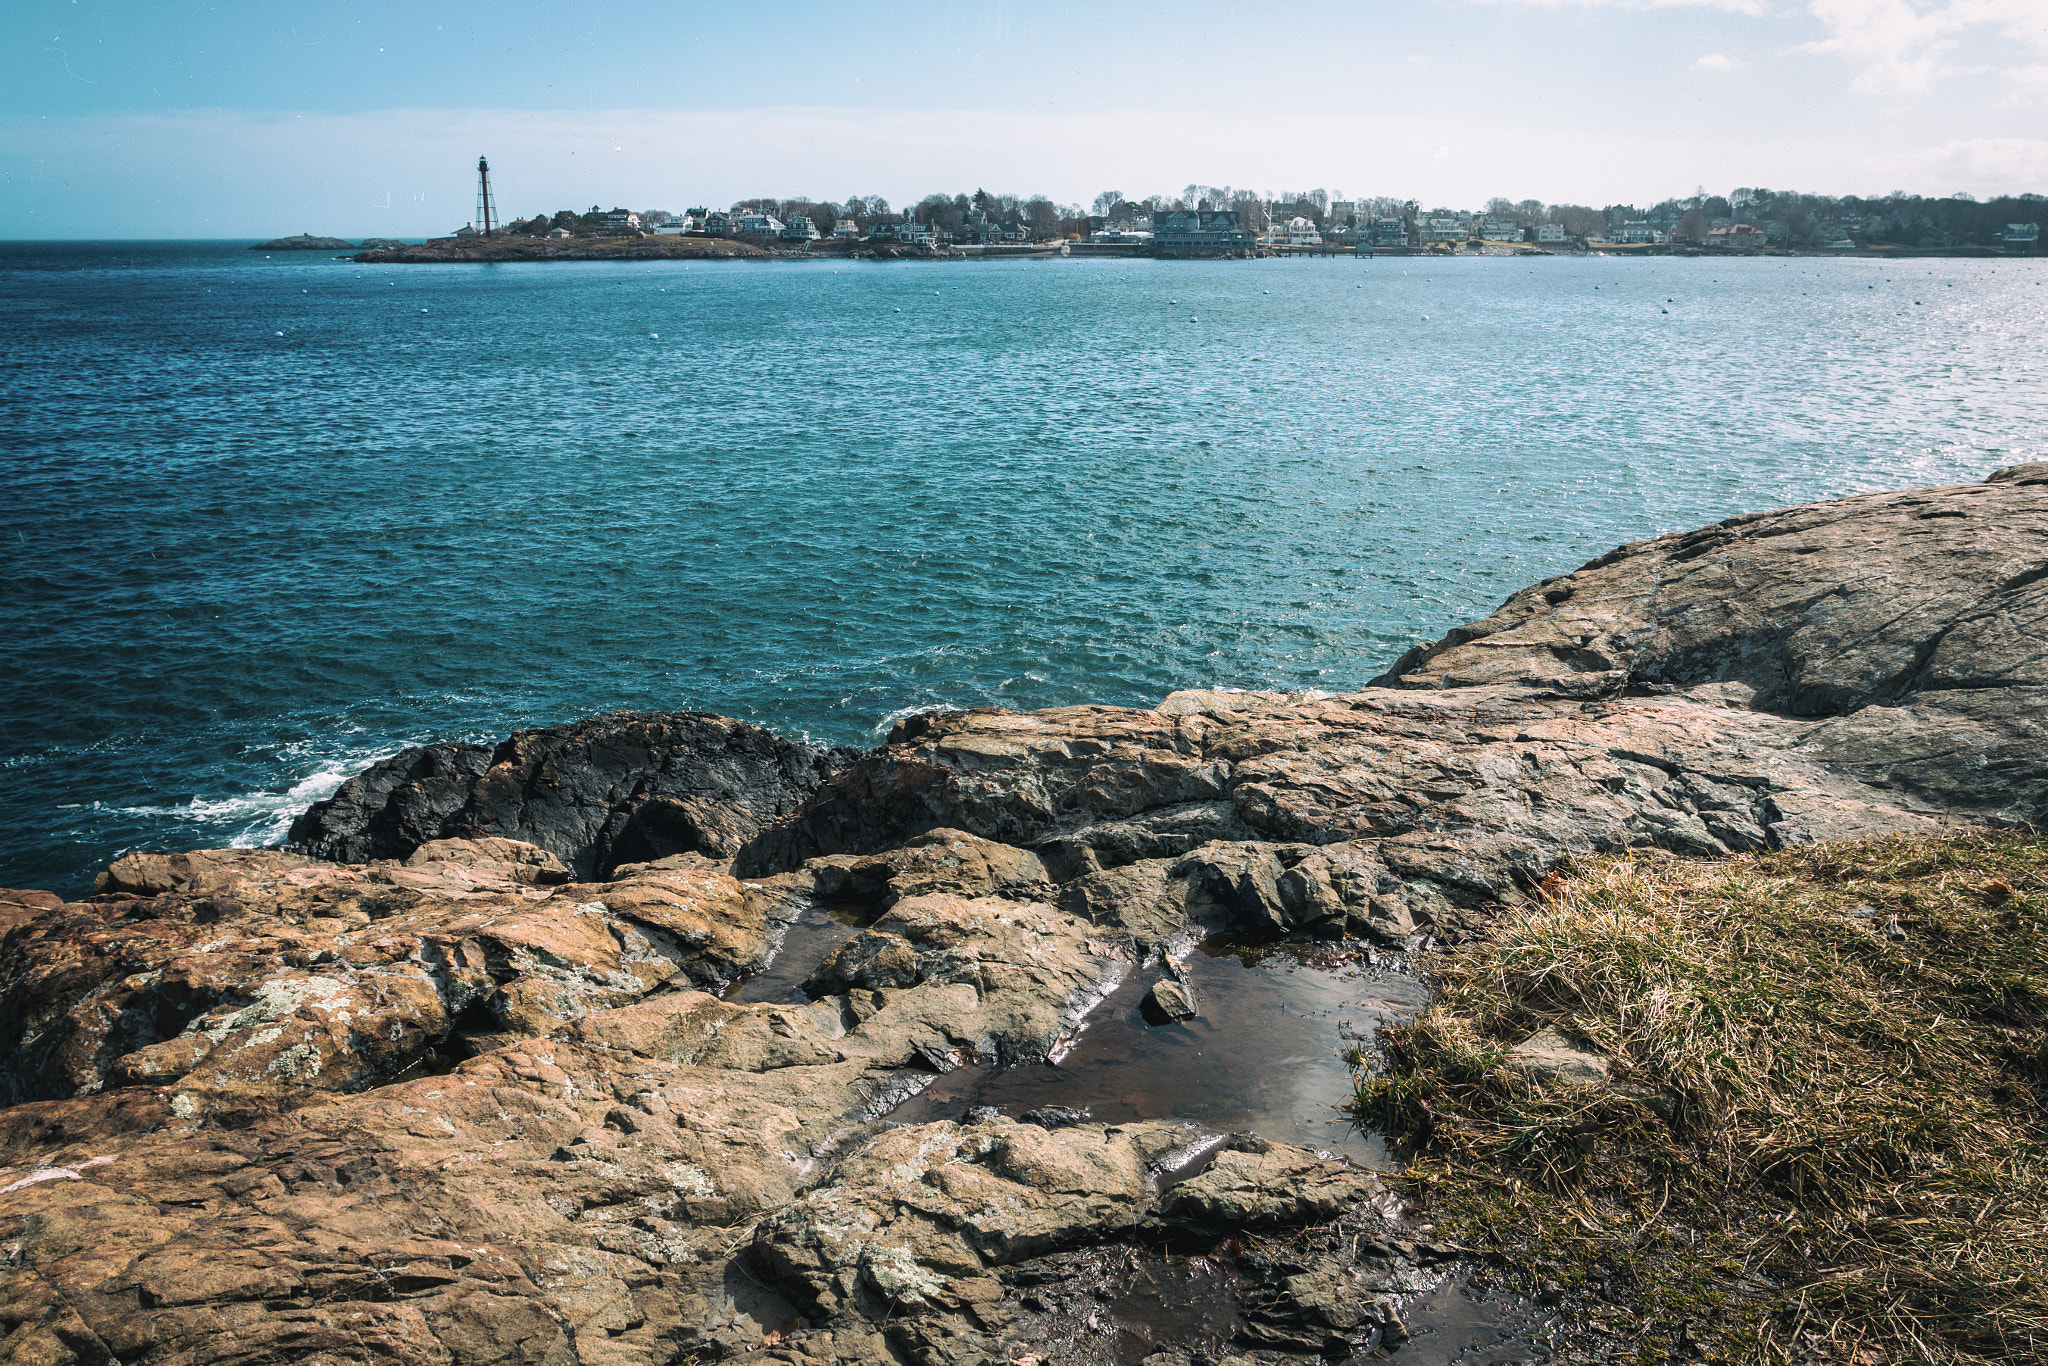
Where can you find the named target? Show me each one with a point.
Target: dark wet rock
(628, 787)
(1054, 1117)
(1168, 1001)
(379, 243)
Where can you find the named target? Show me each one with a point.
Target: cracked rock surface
(462, 1080)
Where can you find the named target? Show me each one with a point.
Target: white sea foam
(889, 719)
(253, 820)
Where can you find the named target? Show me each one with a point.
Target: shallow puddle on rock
(1265, 1053)
(1116, 1306)
(809, 941)
(1127, 1305)
(1473, 1326)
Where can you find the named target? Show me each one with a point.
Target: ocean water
(267, 519)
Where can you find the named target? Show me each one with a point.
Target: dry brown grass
(1827, 1140)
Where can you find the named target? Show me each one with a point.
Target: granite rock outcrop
(1874, 664)
(462, 1078)
(626, 787)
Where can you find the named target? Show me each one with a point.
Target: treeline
(1789, 216)
(1034, 216)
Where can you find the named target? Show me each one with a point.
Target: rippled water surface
(269, 518)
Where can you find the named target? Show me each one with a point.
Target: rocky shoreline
(499, 249)
(459, 1077)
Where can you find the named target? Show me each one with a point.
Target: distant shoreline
(500, 250)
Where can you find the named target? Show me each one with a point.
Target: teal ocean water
(269, 518)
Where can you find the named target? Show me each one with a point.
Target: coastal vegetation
(1788, 218)
(1823, 1136)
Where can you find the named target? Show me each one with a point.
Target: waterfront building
(845, 230)
(1205, 228)
(1637, 234)
(799, 230)
(2021, 235)
(718, 223)
(1743, 235)
(760, 225)
(916, 234)
(1500, 230)
(619, 223)
(1301, 232)
(1549, 234)
(1390, 232)
(1442, 231)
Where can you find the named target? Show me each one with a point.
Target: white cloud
(1902, 47)
(1714, 61)
(1983, 166)
(2025, 85)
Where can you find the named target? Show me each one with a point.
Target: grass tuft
(1826, 1138)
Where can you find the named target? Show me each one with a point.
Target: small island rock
(305, 241)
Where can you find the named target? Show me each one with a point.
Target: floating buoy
(655, 335)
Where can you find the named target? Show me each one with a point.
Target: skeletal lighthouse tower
(486, 212)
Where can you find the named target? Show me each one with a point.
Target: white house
(1549, 233)
(760, 225)
(1295, 232)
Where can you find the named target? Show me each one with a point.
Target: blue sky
(192, 119)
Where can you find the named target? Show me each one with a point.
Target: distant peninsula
(305, 241)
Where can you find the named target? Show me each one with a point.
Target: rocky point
(455, 1077)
